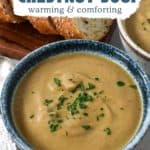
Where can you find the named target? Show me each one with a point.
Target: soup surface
(77, 102)
(138, 26)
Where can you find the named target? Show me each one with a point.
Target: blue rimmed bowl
(75, 46)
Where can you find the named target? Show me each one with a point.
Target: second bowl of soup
(135, 34)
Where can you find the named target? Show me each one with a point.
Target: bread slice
(6, 13)
(43, 25)
(83, 28)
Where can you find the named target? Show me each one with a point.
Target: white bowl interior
(130, 41)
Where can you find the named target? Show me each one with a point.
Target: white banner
(120, 9)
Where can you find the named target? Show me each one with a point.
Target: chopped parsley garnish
(81, 86)
(51, 114)
(73, 109)
(60, 121)
(62, 98)
(120, 83)
(73, 81)
(47, 102)
(32, 116)
(48, 110)
(61, 101)
(121, 108)
(97, 118)
(133, 87)
(108, 131)
(57, 81)
(79, 102)
(85, 114)
(54, 124)
(90, 86)
(66, 133)
(96, 78)
(82, 106)
(101, 108)
(148, 20)
(95, 93)
(100, 116)
(101, 92)
(142, 23)
(86, 127)
(53, 127)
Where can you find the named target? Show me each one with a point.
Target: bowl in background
(139, 54)
(75, 46)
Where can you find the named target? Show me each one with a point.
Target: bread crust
(15, 51)
(6, 13)
(43, 25)
(66, 28)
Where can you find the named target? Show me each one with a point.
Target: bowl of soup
(76, 94)
(135, 34)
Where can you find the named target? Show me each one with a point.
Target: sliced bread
(84, 28)
(6, 13)
(43, 25)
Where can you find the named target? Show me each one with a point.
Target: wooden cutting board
(17, 40)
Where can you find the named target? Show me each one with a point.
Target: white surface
(93, 9)
(5, 140)
(7, 65)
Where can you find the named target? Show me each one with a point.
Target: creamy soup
(138, 25)
(77, 102)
